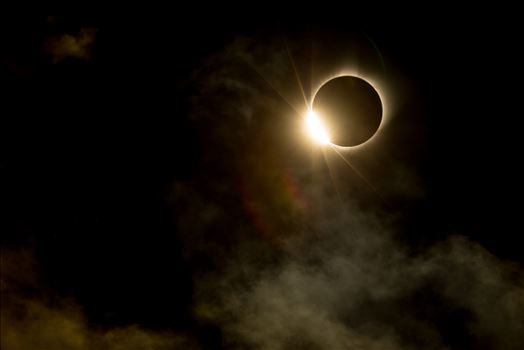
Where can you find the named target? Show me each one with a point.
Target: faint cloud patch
(67, 46)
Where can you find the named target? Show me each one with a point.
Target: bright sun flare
(317, 130)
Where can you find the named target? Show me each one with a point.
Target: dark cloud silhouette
(35, 317)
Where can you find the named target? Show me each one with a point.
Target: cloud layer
(288, 247)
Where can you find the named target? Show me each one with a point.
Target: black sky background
(93, 147)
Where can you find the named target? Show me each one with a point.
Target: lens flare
(316, 129)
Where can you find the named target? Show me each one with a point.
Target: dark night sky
(159, 192)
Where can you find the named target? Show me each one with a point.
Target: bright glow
(384, 98)
(317, 130)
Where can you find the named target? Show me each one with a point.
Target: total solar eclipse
(346, 111)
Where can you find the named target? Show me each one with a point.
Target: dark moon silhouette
(350, 109)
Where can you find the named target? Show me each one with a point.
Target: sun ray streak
(332, 176)
(274, 89)
(297, 77)
(360, 175)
